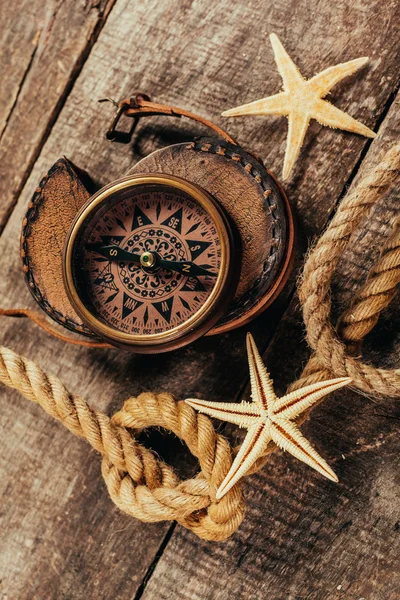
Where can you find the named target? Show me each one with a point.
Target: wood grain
(63, 537)
(43, 47)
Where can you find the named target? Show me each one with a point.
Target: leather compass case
(236, 179)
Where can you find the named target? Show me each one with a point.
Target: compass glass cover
(121, 253)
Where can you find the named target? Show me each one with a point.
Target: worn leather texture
(57, 199)
(250, 196)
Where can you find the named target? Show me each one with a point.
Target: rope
(331, 355)
(138, 481)
(330, 352)
(375, 295)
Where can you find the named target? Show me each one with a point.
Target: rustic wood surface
(303, 537)
(43, 47)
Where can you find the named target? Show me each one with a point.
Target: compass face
(149, 261)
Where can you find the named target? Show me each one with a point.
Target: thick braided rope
(362, 315)
(371, 299)
(139, 483)
(314, 292)
(376, 293)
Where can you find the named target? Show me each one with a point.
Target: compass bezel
(202, 320)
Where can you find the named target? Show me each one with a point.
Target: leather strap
(140, 105)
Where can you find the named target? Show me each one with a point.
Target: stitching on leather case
(267, 185)
(231, 152)
(31, 215)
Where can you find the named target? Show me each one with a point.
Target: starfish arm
(327, 114)
(253, 447)
(289, 72)
(298, 123)
(293, 404)
(262, 390)
(287, 436)
(272, 105)
(324, 81)
(245, 414)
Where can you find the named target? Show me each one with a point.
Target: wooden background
(303, 537)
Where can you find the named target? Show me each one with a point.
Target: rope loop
(140, 483)
(334, 347)
(149, 489)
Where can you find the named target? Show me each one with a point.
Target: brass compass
(150, 262)
(197, 239)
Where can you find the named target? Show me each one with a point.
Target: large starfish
(269, 418)
(301, 100)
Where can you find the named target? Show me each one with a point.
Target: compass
(196, 239)
(149, 262)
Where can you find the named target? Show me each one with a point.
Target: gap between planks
(364, 151)
(81, 59)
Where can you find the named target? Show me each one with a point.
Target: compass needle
(163, 285)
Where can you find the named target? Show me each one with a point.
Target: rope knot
(139, 482)
(144, 486)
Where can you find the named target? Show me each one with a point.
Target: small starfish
(269, 418)
(301, 101)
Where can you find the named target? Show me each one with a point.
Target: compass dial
(148, 262)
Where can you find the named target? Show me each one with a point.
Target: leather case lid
(60, 195)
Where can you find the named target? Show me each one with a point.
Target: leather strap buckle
(140, 105)
(113, 133)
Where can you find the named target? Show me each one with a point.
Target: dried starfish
(269, 418)
(301, 101)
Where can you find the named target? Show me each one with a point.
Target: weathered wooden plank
(304, 537)
(207, 71)
(42, 48)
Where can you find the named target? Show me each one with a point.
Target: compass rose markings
(110, 298)
(120, 223)
(106, 240)
(185, 304)
(106, 279)
(129, 304)
(165, 308)
(139, 219)
(197, 247)
(109, 240)
(193, 285)
(174, 221)
(193, 227)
